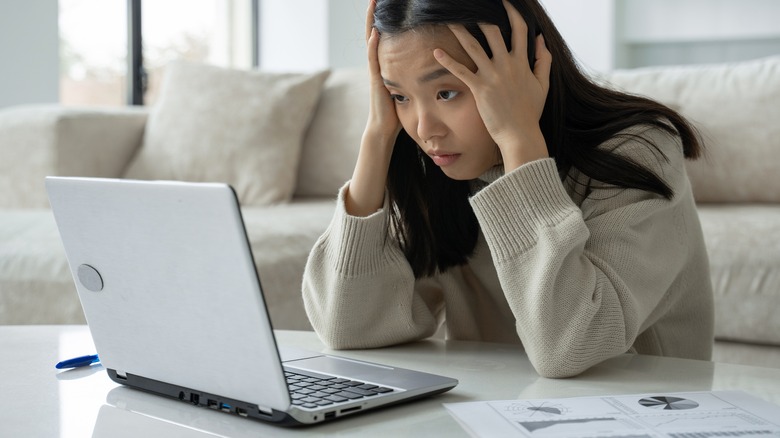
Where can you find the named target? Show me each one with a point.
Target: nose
(429, 124)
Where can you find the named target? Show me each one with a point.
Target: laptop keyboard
(312, 391)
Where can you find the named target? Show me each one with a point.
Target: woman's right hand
(366, 191)
(382, 118)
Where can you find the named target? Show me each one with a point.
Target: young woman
(501, 192)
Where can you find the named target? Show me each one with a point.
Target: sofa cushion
(331, 145)
(736, 108)
(36, 286)
(35, 283)
(743, 244)
(41, 140)
(240, 127)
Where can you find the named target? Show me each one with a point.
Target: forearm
(580, 289)
(366, 191)
(359, 290)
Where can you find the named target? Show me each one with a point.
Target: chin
(460, 176)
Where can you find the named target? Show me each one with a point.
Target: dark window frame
(136, 73)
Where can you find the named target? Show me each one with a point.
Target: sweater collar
(486, 178)
(492, 174)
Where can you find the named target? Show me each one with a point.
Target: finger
(519, 30)
(494, 38)
(373, 57)
(370, 18)
(458, 70)
(543, 63)
(470, 45)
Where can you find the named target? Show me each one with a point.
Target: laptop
(169, 289)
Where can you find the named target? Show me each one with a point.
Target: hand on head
(382, 119)
(509, 95)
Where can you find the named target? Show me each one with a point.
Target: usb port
(241, 412)
(212, 404)
(225, 407)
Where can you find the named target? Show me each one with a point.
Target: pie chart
(668, 403)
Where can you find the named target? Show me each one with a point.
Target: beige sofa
(736, 106)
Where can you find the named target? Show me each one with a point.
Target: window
(93, 52)
(97, 39)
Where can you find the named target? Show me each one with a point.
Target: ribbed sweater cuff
(357, 242)
(513, 208)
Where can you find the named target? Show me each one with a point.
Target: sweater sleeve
(583, 281)
(359, 290)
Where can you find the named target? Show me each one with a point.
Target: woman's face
(435, 108)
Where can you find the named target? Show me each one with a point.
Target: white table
(36, 400)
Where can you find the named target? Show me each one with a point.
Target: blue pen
(83, 361)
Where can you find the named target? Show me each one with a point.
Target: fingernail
(438, 53)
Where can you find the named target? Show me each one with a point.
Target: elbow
(556, 370)
(563, 363)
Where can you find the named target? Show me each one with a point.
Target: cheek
(470, 123)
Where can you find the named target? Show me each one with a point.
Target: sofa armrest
(36, 141)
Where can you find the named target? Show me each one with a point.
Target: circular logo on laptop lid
(90, 278)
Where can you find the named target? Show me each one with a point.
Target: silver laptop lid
(136, 264)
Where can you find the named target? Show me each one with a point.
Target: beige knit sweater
(573, 279)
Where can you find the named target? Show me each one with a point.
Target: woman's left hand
(510, 96)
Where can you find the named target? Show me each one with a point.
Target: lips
(443, 160)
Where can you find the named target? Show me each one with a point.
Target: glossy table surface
(36, 400)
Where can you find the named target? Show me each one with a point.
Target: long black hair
(434, 222)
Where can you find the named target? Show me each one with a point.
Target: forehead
(411, 53)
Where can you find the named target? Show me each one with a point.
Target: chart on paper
(677, 415)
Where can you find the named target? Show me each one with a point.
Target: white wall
(29, 52)
(293, 35)
(608, 34)
(306, 35)
(346, 33)
(603, 34)
(669, 32)
(588, 27)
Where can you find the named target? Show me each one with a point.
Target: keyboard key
(363, 392)
(310, 399)
(347, 394)
(336, 398)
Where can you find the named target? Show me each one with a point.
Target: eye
(447, 95)
(399, 98)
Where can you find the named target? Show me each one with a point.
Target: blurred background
(81, 52)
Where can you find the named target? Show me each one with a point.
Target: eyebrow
(436, 74)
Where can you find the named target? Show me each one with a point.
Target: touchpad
(291, 353)
(363, 371)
